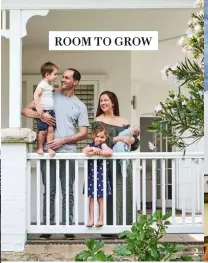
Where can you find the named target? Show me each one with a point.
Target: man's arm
(81, 135)
(30, 112)
(57, 143)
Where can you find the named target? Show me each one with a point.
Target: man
(69, 111)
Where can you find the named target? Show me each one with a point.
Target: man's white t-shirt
(46, 98)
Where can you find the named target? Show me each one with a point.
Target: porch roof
(92, 4)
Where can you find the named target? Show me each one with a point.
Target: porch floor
(80, 238)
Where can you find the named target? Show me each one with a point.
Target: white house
(133, 75)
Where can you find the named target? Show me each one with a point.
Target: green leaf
(90, 243)
(99, 245)
(158, 215)
(101, 256)
(94, 258)
(122, 250)
(109, 258)
(83, 255)
(179, 248)
(124, 234)
(168, 215)
(183, 258)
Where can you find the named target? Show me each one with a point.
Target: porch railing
(187, 184)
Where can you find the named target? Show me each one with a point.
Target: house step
(80, 239)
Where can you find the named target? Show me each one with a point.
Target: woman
(108, 114)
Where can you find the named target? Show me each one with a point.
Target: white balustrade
(185, 219)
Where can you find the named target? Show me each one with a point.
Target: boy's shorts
(42, 126)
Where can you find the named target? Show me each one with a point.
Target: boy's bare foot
(40, 151)
(90, 224)
(99, 223)
(51, 152)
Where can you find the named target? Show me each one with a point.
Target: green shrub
(142, 243)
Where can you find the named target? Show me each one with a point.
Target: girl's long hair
(100, 128)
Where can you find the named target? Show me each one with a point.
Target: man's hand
(57, 143)
(47, 118)
(39, 112)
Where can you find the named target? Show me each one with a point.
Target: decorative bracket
(26, 15)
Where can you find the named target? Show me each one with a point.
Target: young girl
(97, 147)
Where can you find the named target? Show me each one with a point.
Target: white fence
(186, 180)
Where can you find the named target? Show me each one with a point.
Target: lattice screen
(86, 94)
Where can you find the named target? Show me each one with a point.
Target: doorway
(161, 145)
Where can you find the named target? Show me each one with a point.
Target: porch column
(13, 182)
(15, 70)
(17, 21)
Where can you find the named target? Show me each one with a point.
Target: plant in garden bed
(94, 252)
(141, 243)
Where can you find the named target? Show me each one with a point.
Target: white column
(17, 30)
(15, 70)
(13, 181)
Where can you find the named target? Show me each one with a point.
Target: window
(86, 92)
(87, 95)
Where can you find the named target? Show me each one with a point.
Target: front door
(161, 145)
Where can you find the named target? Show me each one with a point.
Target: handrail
(132, 155)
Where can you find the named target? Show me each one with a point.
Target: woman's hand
(129, 140)
(47, 118)
(132, 140)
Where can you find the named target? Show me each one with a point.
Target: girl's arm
(86, 149)
(37, 94)
(106, 151)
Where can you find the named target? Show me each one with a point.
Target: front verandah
(15, 176)
(16, 202)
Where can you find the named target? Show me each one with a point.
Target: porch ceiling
(169, 22)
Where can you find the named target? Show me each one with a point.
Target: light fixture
(133, 102)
